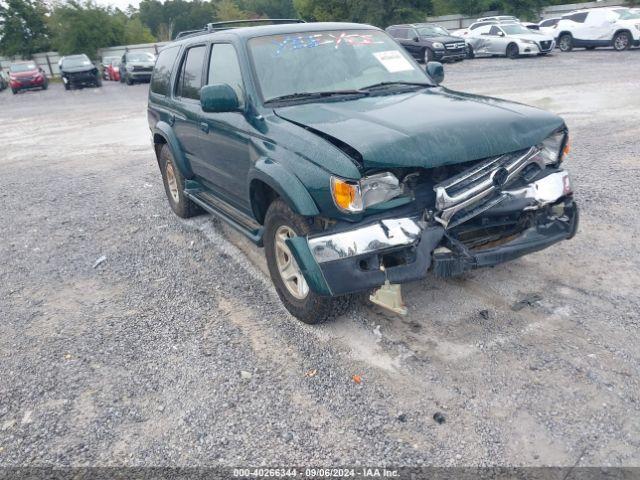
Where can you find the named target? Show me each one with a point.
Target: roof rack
(219, 26)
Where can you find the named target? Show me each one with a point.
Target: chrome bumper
(399, 232)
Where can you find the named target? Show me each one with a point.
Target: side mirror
(436, 71)
(501, 34)
(416, 39)
(219, 98)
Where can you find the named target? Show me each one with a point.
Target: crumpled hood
(427, 129)
(81, 68)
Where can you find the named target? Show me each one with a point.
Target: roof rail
(219, 26)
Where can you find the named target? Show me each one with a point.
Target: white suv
(616, 27)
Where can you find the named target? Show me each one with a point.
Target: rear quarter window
(161, 78)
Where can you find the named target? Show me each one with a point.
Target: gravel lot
(138, 361)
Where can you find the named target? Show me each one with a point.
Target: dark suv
(327, 144)
(428, 41)
(78, 71)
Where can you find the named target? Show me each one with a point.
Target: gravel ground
(174, 349)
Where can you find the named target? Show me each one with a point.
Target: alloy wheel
(621, 42)
(172, 182)
(288, 268)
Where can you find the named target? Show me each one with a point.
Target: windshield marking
(319, 39)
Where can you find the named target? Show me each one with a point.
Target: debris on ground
(245, 375)
(100, 261)
(439, 418)
(311, 373)
(357, 379)
(485, 314)
(402, 417)
(529, 300)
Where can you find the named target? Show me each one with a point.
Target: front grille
(458, 45)
(478, 188)
(142, 69)
(545, 45)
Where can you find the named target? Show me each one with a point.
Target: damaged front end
(485, 213)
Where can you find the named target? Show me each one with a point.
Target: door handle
(204, 126)
(172, 119)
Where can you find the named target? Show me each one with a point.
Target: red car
(25, 76)
(111, 68)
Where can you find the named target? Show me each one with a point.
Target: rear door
(187, 111)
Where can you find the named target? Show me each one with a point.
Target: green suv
(327, 144)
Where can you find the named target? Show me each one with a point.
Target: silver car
(512, 40)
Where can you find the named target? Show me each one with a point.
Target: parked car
(112, 69)
(615, 27)
(511, 40)
(107, 67)
(78, 71)
(464, 32)
(26, 76)
(330, 146)
(136, 67)
(428, 41)
(548, 26)
(499, 18)
(530, 26)
(4, 80)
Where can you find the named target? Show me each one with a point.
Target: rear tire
(513, 51)
(98, 82)
(14, 91)
(621, 41)
(281, 222)
(174, 186)
(565, 42)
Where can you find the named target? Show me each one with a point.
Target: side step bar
(221, 209)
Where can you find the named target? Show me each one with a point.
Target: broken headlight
(354, 197)
(554, 148)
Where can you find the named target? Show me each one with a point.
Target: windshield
(432, 31)
(139, 57)
(329, 61)
(22, 67)
(514, 29)
(73, 62)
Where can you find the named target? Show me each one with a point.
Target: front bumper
(445, 55)
(140, 76)
(350, 261)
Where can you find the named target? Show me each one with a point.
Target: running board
(221, 209)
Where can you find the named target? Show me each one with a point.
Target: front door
(225, 140)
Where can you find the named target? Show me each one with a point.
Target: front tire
(470, 53)
(512, 51)
(98, 82)
(292, 288)
(565, 43)
(428, 55)
(174, 186)
(129, 81)
(621, 41)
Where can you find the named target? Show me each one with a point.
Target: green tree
(23, 29)
(269, 8)
(174, 16)
(377, 12)
(229, 10)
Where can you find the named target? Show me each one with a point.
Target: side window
(482, 30)
(224, 67)
(161, 76)
(393, 32)
(494, 31)
(190, 81)
(402, 33)
(578, 17)
(413, 34)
